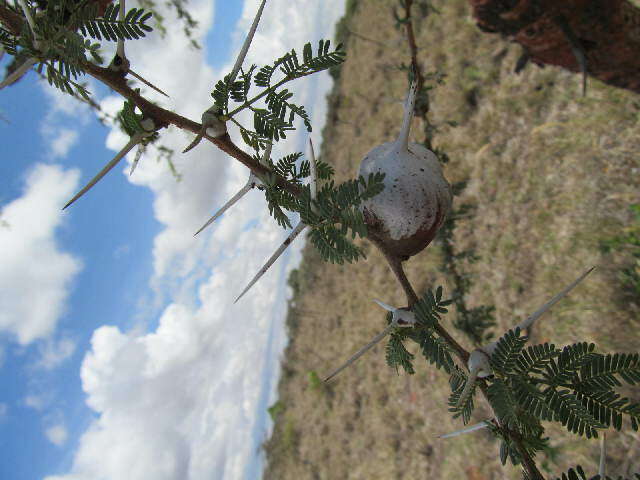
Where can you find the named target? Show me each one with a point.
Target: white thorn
(473, 428)
(195, 141)
(468, 386)
(292, 236)
(529, 321)
(403, 137)
(227, 205)
(602, 467)
(137, 158)
(126, 149)
(314, 171)
(247, 43)
(18, 72)
(388, 308)
(361, 352)
(210, 120)
(147, 83)
(30, 21)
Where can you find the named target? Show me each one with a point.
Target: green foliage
(507, 352)
(58, 43)
(132, 27)
(8, 41)
(315, 382)
(577, 385)
(276, 410)
(333, 215)
(570, 360)
(428, 310)
(578, 473)
(397, 355)
(504, 403)
(534, 358)
(573, 415)
(599, 373)
(629, 243)
(436, 351)
(130, 120)
(457, 381)
(278, 114)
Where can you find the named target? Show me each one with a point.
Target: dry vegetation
(552, 176)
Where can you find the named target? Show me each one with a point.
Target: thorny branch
(161, 117)
(396, 266)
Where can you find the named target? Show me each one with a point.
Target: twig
(162, 117)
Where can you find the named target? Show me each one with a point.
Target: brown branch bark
(396, 267)
(607, 32)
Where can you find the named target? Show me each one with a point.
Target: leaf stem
(266, 92)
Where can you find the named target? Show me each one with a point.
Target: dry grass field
(552, 176)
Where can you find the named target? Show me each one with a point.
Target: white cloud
(35, 274)
(57, 434)
(65, 118)
(37, 402)
(187, 400)
(63, 142)
(53, 353)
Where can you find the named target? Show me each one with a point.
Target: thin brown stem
(411, 40)
(396, 264)
(396, 267)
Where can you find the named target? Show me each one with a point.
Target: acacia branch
(162, 118)
(396, 266)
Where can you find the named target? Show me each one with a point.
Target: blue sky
(115, 353)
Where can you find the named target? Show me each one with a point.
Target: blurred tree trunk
(599, 36)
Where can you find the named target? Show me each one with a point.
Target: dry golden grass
(551, 173)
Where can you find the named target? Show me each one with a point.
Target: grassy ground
(552, 176)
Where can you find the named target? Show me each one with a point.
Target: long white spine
(247, 43)
(403, 137)
(530, 320)
(361, 352)
(114, 161)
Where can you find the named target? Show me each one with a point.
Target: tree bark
(559, 32)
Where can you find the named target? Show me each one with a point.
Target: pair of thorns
(212, 126)
(120, 63)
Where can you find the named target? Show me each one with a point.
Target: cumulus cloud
(180, 402)
(35, 273)
(187, 400)
(57, 434)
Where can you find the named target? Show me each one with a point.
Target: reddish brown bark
(606, 31)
